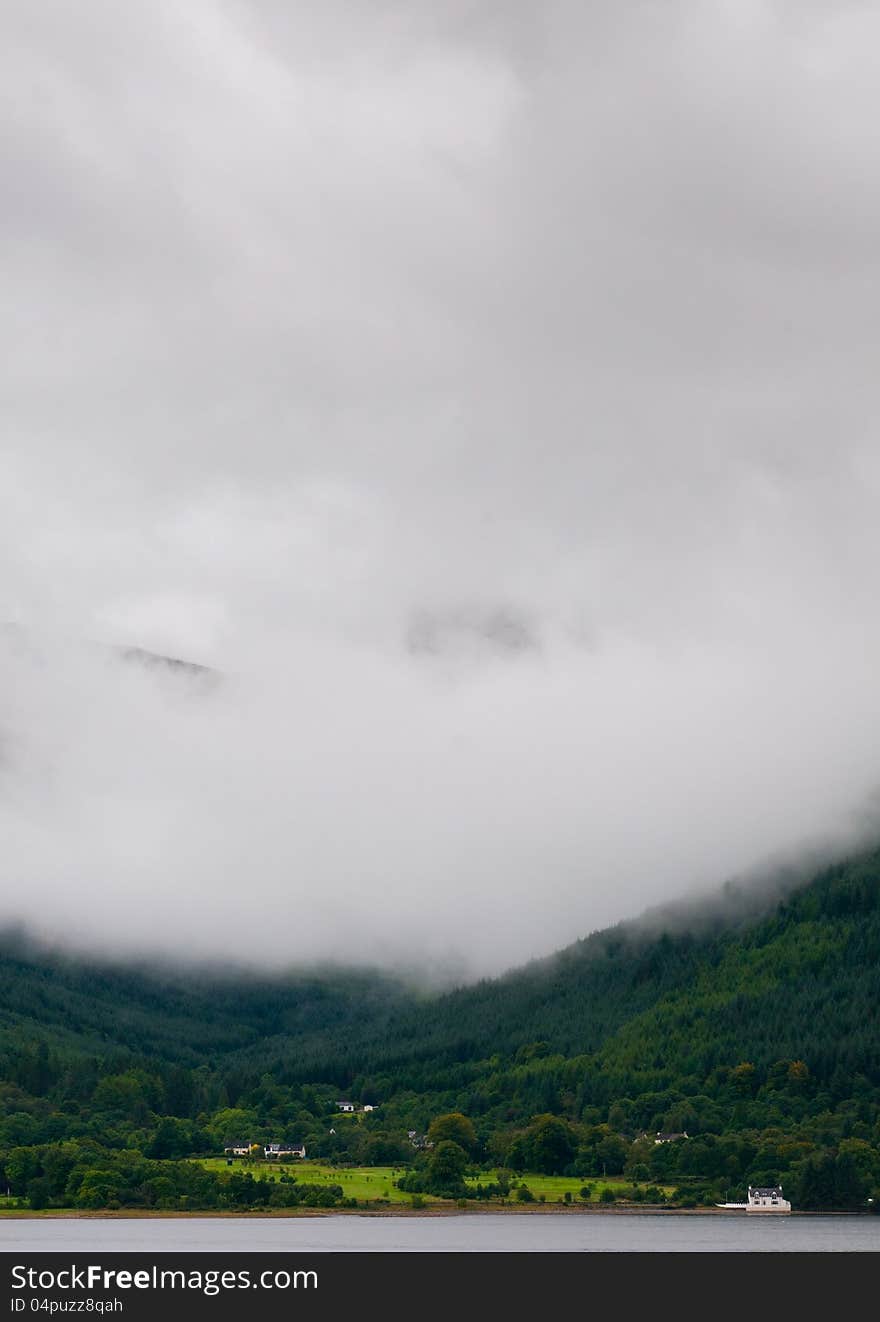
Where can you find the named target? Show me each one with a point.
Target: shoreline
(284, 1213)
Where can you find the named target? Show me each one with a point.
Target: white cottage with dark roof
(761, 1199)
(768, 1199)
(273, 1150)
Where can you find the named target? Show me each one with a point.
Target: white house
(767, 1200)
(369, 1108)
(346, 1106)
(273, 1150)
(238, 1150)
(761, 1200)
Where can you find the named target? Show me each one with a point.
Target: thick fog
(487, 393)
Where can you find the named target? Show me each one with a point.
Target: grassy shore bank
(375, 1192)
(369, 1183)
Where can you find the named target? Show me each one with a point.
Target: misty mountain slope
(102, 1008)
(645, 1004)
(737, 957)
(804, 982)
(636, 1004)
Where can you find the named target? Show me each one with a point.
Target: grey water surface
(594, 1232)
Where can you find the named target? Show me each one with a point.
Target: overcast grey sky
(489, 390)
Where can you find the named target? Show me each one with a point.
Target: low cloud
(486, 394)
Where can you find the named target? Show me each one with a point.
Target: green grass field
(361, 1182)
(371, 1183)
(367, 1183)
(554, 1187)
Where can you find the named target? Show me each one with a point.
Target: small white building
(761, 1200)
(369, 1108)
(273, 1150)
(238, 1150)
(767, 1200)
(345, 1106)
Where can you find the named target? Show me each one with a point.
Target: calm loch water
(594, 1232)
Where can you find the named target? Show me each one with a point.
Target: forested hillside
(754, 1028)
